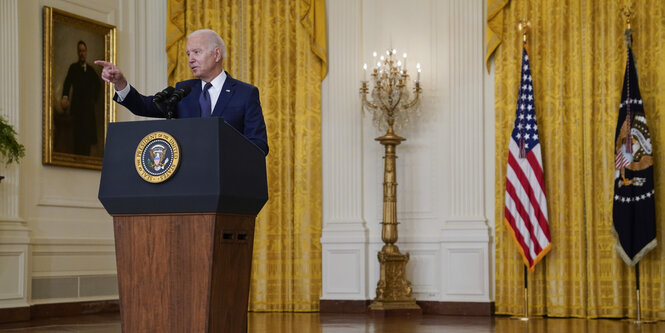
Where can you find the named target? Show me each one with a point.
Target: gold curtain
(578, 58)
(279, 46)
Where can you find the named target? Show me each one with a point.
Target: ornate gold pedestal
(393, 291)
(392, 102)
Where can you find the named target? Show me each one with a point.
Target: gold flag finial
(628, 14)
(523, 26)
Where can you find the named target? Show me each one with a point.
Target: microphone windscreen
(162, 95)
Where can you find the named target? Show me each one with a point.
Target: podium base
(184, 272)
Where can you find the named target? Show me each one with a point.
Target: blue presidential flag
(634, 209)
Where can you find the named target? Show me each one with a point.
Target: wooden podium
(184, 245)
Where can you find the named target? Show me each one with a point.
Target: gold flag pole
(639, 320)
(628, 13)
(523, 26)
(526, 300)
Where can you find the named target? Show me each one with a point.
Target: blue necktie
(204, 101)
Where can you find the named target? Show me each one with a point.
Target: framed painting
(78, 105)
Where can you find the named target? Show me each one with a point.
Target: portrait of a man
(81, 93)
(77, 103)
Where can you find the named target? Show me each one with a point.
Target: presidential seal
(157, 157)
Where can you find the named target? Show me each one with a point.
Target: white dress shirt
(216, 89)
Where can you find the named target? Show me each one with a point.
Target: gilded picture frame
(78, 105)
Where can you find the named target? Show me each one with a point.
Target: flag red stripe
(518, 237)
(535, 177)
(538, 173)
(540, 207)
(537, 169)
(510, 189)
(535, 205)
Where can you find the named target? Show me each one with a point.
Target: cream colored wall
(56, 240)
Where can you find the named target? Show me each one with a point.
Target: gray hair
(214, 40)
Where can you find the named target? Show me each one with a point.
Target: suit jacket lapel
(224, 96)
(193, 102)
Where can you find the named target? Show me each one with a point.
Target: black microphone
(162, 95)
(179, 94)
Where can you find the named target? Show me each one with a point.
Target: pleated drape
(279, 46)
(578, 58)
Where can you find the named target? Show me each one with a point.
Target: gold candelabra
(392, 105)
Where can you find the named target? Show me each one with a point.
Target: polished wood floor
(338, 323)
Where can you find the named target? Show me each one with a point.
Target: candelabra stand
(391, 102)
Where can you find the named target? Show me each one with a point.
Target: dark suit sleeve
(66, 86)
(140, 105)
(255, 126)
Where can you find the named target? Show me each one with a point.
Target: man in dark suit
(214, 93)
(80, 93)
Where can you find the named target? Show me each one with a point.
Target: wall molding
(68, 288)
(74, 241)
(70, 203)
(41, 311)
(72, 269)
(14, 261)
(343, 274)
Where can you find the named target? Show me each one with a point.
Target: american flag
(525, 213)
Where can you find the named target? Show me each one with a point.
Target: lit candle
(418, 67)
(394, 51)
(364, 72)
(404, 56)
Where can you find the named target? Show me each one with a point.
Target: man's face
(202, 60)
(82, 51)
